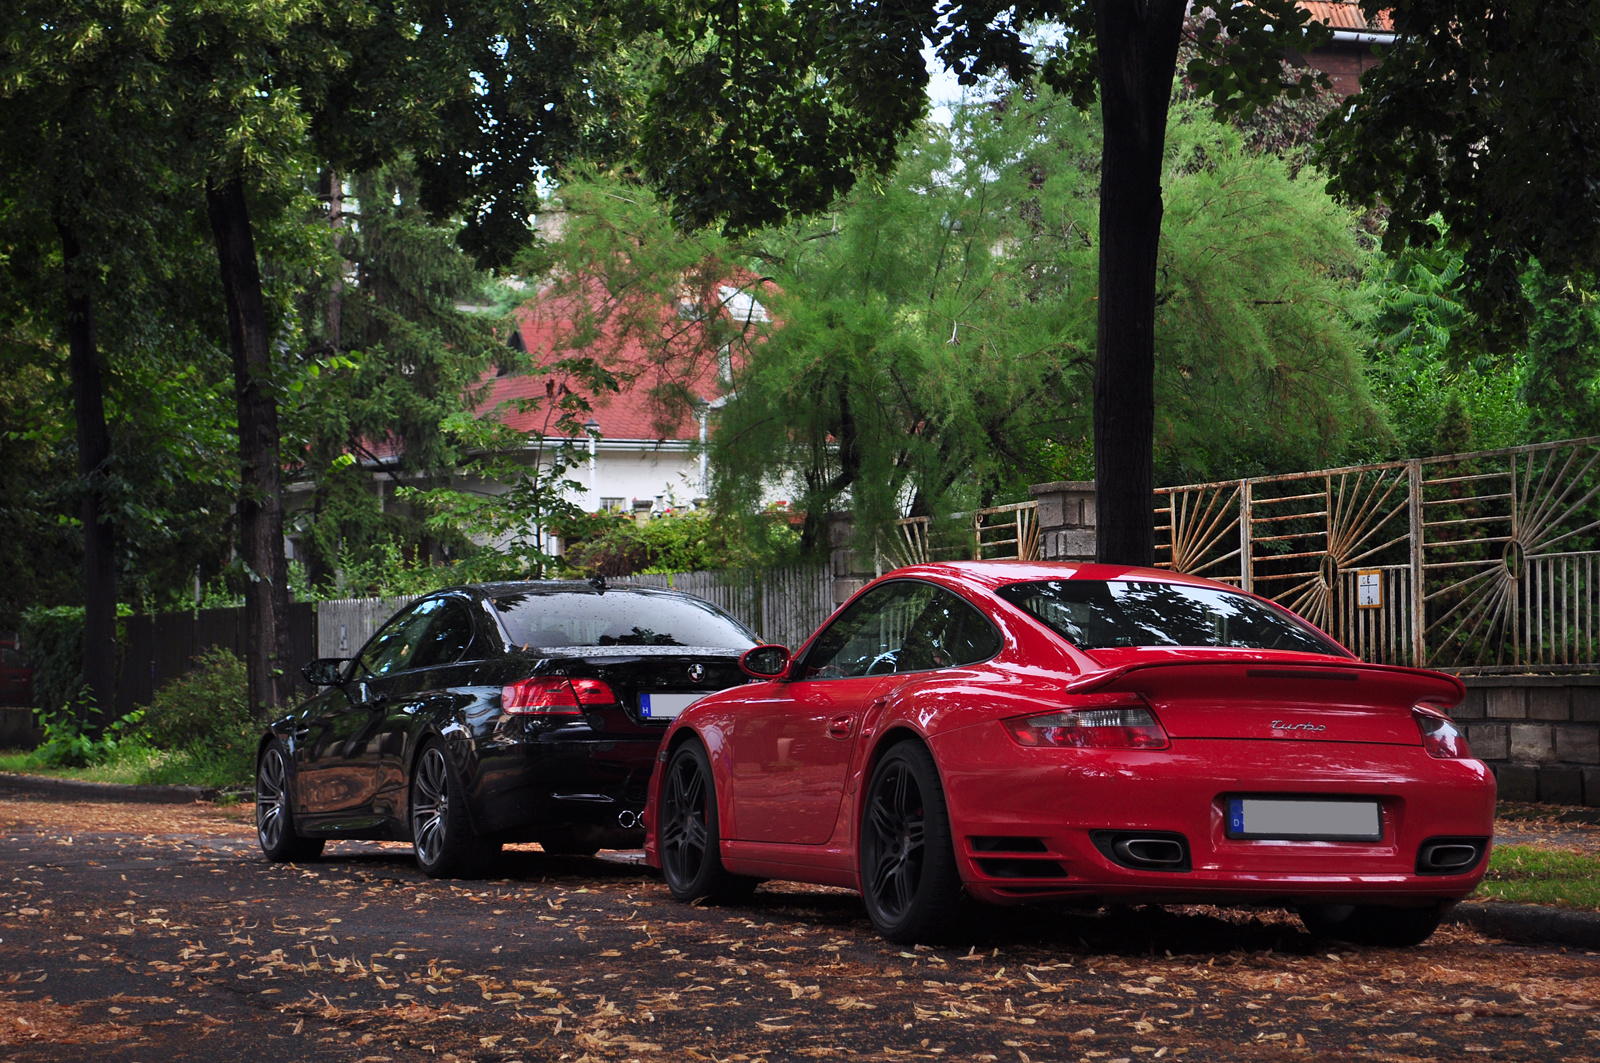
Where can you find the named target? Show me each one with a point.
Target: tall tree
(1486, 116)
(768, 109)
(65, 181)
(924, 330)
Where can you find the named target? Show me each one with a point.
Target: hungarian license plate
(1304, 819)
(665, 706)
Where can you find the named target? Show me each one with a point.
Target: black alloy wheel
(909, 878)
(1382, 925)
(687, 836)
(274, 818)
(441, 831)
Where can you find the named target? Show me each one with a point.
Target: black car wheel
(1372, 924)
(909, 879)
(441, 831)
(274, 817)
(687, 834)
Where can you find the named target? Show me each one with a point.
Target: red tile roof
(673, 361)
(1345, 16)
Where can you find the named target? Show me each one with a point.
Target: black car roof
(507, 588)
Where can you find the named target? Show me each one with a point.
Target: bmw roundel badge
(697, 672)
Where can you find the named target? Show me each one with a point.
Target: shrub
(208, 706)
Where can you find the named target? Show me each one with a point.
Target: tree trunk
(1138, 41)
(319, 571)
(266, 596)
(94, 455)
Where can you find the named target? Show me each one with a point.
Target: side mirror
(765, 662)
(325, 671)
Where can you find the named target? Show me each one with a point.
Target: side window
(447, 637)
(398, 645)
(903, 626)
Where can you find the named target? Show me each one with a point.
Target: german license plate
(1304, 819)
(665, 706)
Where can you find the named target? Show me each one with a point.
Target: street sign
(1369, 589)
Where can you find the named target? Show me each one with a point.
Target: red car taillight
(1440, 737)
(554, 696)
(1119, 727)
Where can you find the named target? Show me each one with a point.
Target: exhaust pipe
(1155, 850)
(1450, 856)
(1150, 852)
(627, 819)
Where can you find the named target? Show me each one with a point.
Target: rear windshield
(552, 621)
(1100, 614)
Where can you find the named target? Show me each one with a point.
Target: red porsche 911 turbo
(1027, 731)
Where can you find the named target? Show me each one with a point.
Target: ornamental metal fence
(1476, 563)
(994, 533)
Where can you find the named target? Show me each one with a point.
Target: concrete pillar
(844, 560)
(1066, 520)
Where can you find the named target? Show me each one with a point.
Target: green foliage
(1562, 387)
(410, 359)
(206, 709)
(683, 542)
(67, 743)
(1439, 398)
(53, 637)
(1258, 357)
(1488, 121)
(936, 331)
(1527, 874)
(762, 113)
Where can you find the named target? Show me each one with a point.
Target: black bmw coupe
(495, 713)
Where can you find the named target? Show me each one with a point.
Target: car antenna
(598, 582)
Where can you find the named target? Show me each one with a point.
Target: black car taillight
(554, 696)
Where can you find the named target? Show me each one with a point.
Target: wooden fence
(782, 605)
(161, 647)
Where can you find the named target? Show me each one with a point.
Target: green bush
(53, 641)
(682, 542)
(208, 706)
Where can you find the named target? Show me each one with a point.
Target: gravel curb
(78, 790)
(1532, 923)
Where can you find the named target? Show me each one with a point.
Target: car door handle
(841, 726)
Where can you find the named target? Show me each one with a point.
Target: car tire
(909, 878)
(442, 838)
(275, 830)
(1372, 924)
(688, 835)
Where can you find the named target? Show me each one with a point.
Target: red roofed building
(1350, 52)
(646, 452)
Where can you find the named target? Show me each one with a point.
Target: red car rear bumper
(1025, 820)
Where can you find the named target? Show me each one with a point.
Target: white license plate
(665, 706)
(1295, 819)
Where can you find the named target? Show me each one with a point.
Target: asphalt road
(143, 933)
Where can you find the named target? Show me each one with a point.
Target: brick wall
(1540, 734)
(1343, 63)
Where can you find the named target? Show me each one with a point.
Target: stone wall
(1540, 734)
(1066, 520)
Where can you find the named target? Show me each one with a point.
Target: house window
(613, 505)
(742, 306)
